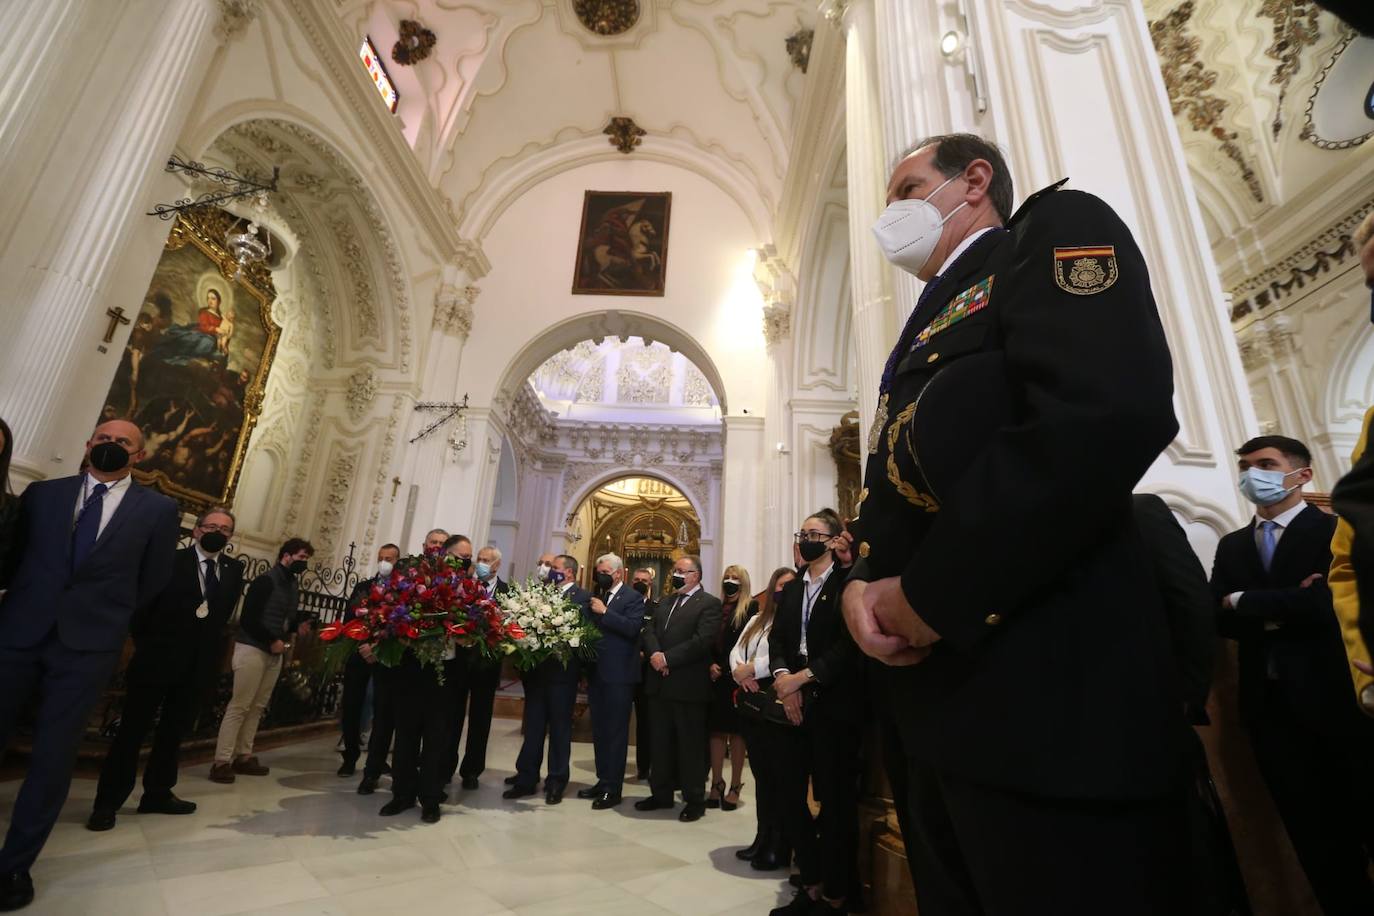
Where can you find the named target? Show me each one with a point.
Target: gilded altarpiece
(649, 532)
(194, 372)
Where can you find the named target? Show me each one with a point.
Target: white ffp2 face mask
(909, 230)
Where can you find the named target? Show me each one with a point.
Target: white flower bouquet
(549, 626)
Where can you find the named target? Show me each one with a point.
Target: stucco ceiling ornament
(235, 15)
(362, 389)
(1295, 28)
(625, 134)
(798, 46)
(1189, 85)
(607, 17)
(415, 44)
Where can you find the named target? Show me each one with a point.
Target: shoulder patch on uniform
(974, 299)
(1085, 271)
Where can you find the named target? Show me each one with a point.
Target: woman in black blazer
(816, 674)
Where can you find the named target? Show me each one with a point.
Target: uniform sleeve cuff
(960, 626)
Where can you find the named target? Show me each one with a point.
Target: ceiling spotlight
(951, 43)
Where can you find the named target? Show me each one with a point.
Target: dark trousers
(835, 769)
(644, 739)
(790, 750)
(980, 851)
(610, 711)
(679, 735)
(761, 766)
(549, 703)
(356, 676)
(120, 770)
(383, 719)
(472, 696)
(1321, 786)
(421, 726)
(69, 683)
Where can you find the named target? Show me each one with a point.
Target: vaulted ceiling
(512, 82)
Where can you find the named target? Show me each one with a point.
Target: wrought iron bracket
(449, 409)
(238, 186)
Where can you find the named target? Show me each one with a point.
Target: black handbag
(764, 705)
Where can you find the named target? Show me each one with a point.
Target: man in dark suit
(178, 651)
(1000, 576)
(618, 612)
(96, 548)
(474, 687)
(679, 646)
(1311, 742)
(550, 695)
(644, 584)
(358, 672)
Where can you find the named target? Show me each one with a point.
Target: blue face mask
(483, 571)
(556, 576)
(1265, 488)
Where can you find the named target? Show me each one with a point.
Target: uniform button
(992, 620)
(863, 549)
(932, 357)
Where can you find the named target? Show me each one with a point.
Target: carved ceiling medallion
(415, 44)
(607, 17)
(1189, 85)
(625, 134)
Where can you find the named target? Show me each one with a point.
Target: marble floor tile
(343, 873)
(240, 890)
(445, 894)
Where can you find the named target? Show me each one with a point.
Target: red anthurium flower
(357, 629)
(330, 632)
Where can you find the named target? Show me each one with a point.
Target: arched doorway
(646, 521)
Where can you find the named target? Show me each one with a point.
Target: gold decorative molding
(1189, 85)
(607, 17)
(625, 134)
(1295, 28)
(415, 44)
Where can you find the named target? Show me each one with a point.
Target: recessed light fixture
(951, 43)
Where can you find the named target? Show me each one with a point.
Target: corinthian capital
(235, 15)
(453, 309)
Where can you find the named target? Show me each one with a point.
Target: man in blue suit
(95, 548)
(550, 695)
(618, 612)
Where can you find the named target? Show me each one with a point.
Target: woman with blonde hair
(721, 718)
(750, 671)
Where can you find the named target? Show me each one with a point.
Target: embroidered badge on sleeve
(1085, 271)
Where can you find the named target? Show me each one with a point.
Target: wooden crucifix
(117, 317)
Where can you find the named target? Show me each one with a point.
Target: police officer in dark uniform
(999, 575)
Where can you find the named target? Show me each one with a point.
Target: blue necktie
(1269, 541)
(87, 526)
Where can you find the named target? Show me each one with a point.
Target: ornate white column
(34, 34)
(875, 321)
(741, 498)
(81, 213)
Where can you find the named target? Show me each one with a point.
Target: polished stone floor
(301, 841)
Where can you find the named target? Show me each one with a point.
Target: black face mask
(679, 580)
(777, 597)
(464, 562)
(109, 457)
(812, 550)
(604, 581)
(213, 541)
(641, 587)
(731, 589)
(298, 566)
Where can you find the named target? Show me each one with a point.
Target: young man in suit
(618, 612)
(96, 548)
(1311, 742)
(679, 649)
(643, 583)
(550, 695)
(358, 671)
(476, 685)
(178, 646)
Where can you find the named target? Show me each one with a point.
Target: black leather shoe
(642, 777)
(470, 784)
(748, 852)
(16, 891)
(386, 769)
(429, 814)
(509, 780)
(348, 768)
(800, 905)
(553, 796)
(652, 804)
(396, 806)
(368, 785)
(101, 819)
(606, 800)
(589, 793)
(694, 811)
(517, 791)
(168, 804)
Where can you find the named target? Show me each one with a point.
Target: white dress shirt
(753, 650)
(114, 495)
(610, 596)
(809, 596)
(678, 599)
(201, 557)
(1282, 521)
(961, 248)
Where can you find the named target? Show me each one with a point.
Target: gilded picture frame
(194, 372)
(622, 244)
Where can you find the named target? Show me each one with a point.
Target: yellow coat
(1344, 594)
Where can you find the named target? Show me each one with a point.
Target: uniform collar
(961, 248)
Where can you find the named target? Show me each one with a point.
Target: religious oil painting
(194, 371)
(622, 249)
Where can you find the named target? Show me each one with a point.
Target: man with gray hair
(178, 648)
(618, 612)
